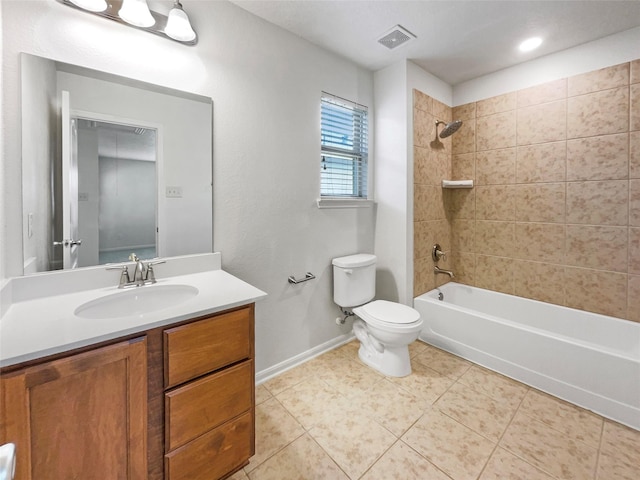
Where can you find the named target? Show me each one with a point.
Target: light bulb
(91, 5)
(136, 12)
(178, 25)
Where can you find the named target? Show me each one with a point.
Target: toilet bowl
(384, 329)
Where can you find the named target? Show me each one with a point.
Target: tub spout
(437, 270)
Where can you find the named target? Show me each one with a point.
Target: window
(344, 146)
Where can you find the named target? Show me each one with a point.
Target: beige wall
(555, 211)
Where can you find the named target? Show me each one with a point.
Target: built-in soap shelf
(457, 183)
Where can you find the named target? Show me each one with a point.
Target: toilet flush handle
(348, 271)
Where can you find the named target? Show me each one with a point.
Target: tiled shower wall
(555, 211)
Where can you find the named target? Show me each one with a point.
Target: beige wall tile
(634, 251)
(423, 278)
(422, 167)
(496, 131)
(422, 101)
(634, 298)
(540, 242)
(463, 167)
(423, 128)
(605, 157)
(598, 203)
(495, 202)
(542, 123)
(460, 203)
(441, 111)
(634, 155)
(598, 113)
(596, 291)
(463, 234)
(464, 112)
(463, 266)
(421, 239)
(428, 203)
(464, 140)
(547, 92)
(539, 281)
(540, 202)
(635, 107)
(634, 203)
(603, 79)
(603, 248)
(496, 166)
(544, 162)
(635, 71)
(501, 103)
(494, 273)
(495, 238)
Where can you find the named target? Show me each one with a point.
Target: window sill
(344, 203)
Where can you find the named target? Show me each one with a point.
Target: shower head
(449, 128)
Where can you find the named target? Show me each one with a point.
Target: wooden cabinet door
(80, 417)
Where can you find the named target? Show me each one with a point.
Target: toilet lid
(390, 312)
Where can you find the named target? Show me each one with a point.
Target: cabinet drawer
(214, 454)
(198, 348)
(203, 404)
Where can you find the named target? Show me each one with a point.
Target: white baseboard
(301, 358)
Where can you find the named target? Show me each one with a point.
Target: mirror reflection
(111, 166)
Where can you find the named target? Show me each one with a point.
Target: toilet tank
(354, 279)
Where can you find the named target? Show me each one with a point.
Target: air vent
(395, 37)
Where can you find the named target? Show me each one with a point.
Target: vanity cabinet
(209, 396)
(83, 416)
(175, 402)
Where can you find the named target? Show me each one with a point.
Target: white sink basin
(137, 301)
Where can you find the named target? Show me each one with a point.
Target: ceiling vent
(395, 37)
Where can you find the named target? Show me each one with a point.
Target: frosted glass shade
(136, 12)
(91, 5)
(178, 26)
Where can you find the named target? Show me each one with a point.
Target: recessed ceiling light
(530, 44)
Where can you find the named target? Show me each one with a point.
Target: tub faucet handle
(437, 253)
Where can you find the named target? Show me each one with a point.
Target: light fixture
(178, 25)
(530, 44)
(136, 13)
(91, 5)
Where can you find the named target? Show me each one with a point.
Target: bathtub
(587, 359)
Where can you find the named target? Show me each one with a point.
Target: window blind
(344, 148)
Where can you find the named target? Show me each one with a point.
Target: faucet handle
(437, 253)
(124, 275)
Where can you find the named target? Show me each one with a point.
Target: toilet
(384, 329)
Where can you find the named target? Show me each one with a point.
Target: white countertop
(40, 326)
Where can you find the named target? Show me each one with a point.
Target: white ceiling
(456, 40)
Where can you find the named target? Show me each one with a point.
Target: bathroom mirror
(111, 166)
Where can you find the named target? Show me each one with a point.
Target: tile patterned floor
(335, 418)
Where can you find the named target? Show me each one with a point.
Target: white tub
(587, 359)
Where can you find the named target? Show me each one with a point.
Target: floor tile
(391, 406)
(619, 453)
(506, 466)
(302, 459)
(262, 394)
(308, 401)
(402, 462)
(349, 349)
(494, 385)
(457, 450)
(353, 441)
(239, 476)
(288, 379)
(351, 379)
(481, 413)
(424, 383)
(275, 428)
(442, 362)
(575, 422)
(548, 449)
(416, 348)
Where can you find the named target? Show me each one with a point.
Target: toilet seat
(384, 314)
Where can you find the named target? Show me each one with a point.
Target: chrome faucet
(142, 275)
(437, 270)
